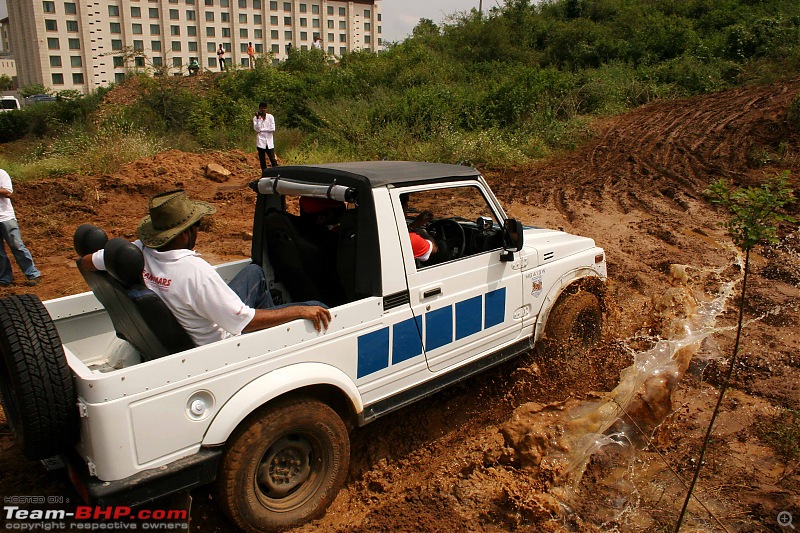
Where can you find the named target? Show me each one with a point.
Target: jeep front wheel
(284, 466)
(576, 323)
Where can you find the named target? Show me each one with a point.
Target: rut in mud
(442, 464)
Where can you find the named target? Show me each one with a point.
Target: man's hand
(320, 316)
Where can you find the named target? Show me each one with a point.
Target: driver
(422, 244)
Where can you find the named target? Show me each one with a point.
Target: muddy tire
(283, 466)
(575, 324)
(35, 380)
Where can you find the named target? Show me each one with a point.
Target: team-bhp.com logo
(94, 518)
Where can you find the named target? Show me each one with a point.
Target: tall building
(85, 44)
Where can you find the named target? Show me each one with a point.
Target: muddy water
(559, 439)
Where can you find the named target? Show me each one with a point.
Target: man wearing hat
(207, 308)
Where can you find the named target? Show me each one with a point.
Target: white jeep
(137, 414)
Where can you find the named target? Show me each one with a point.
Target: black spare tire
(36, 385)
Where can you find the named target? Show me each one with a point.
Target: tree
(754, 215)
(6, 83)
(34, 88)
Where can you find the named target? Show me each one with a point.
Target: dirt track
(636, 188)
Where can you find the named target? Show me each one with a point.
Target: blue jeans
(9, 232)
(251, 286)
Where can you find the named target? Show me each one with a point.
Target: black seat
(139, 315)
(302, 264)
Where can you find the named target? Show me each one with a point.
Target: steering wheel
(450, 238)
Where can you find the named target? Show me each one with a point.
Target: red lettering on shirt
(161, 282)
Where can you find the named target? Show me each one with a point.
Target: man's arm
(267, 318)
(87, 264)
(5, 193)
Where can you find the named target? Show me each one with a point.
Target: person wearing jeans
(264, 126)
(10, 234)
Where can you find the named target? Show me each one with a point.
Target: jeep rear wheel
(284, 466)
(576, 323)
(35, 380)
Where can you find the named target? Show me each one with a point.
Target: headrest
(88, 239)
(124, 261)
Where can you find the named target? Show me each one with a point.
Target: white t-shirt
(6, 209)
(196, 294)
(265, 129)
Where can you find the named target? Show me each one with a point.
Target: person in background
(264, 126)
(251, 53)
(9, 232)
(221, 58)
(194, 66)
(317, 42)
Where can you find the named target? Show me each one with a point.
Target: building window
(212, 62)
(243, 18)
(138, 45)
(379, 17)
(193, 46)
(173, 14)
(116, 44)
(155, 46)
(49, 7)
(342, 25)
(224, 3)
(136, 12)
(303, 23)
(315, 23)
(245, 61)
(226, 47)
(367, 13)
(330, 50)
(116, 27)
(210, 31)
(243, 33)
(342, 50)
(342, 37)
(176, 46)
(273, 6)
(367, 39)
(74, 44)
(225, 17)
(209, 16)
(75, 61)
(70, 8)
(174, 30)
(58, 79)
(330, 38)
(209, 2)
(138, 62)
(330, 24)
(276, 49)
(273, 20)
(379, 29)
(243, 48)
(256, 4)
(55, 61)
(342, 12)
(259, 48)
(77, 78)
(191, 31)
(287, 21)
(243, 4)
(50, 25)
(113, 11)
(190, 2)
(303, 35)
(136, 29)
(287, 35)
(118, 61)
(315, 9)
(274, 34)
(367, 26)
(158, 61)
(191, 14)
(226, 32)
(155, 29)
(287, 6)
(119, 77)
(330, 10)
(257, 19)
(153, 12)
(211, 47)
(258, 33)
(72, 26)
(303, 8)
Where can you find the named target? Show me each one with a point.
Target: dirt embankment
(441, 465)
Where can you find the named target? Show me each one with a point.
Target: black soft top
(373, 173)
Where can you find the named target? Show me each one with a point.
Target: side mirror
(512, 239)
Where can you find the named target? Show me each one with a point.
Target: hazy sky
(399, 16)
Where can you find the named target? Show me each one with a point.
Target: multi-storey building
(85, 44)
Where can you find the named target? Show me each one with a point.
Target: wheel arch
(576, 280)
(320, 381)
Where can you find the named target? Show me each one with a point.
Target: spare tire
(36, 385)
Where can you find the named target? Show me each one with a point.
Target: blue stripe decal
(495, 308)
(406, 341)
(373, 352)
(468, 317)
(439, 328)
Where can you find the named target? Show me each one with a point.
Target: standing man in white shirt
(264, 126)
(9, 232)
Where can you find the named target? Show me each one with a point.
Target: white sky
(399, 16)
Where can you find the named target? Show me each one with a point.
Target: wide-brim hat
(170, 214)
